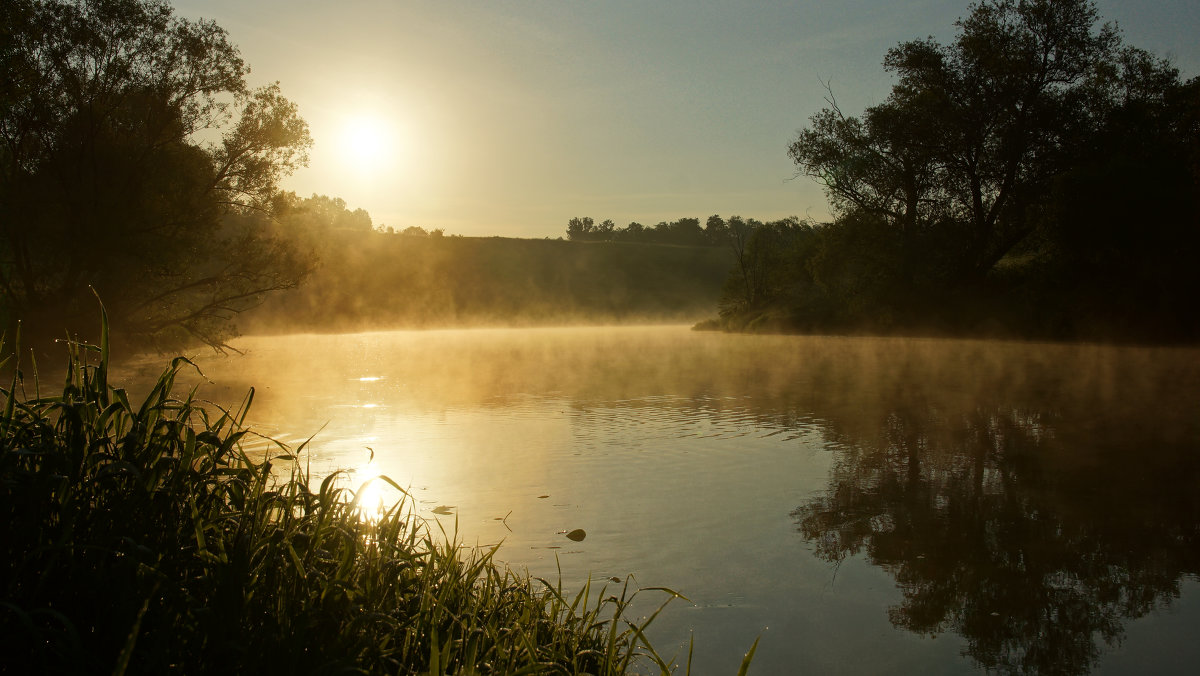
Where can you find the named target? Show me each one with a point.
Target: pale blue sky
(508, 117)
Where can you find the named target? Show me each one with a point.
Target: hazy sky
(509, 117)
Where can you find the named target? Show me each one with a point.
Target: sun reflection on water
(375, 496)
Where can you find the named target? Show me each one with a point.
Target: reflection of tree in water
(997, 525)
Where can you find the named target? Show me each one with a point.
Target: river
(861, 505)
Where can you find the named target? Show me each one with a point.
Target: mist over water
(866, 505)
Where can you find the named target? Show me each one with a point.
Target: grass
(144, 538)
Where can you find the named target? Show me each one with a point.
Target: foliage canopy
(136, 161)
(1035, 175)
(973, 133)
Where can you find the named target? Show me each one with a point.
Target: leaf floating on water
(543, 497)
(577, 535)
(443, 509)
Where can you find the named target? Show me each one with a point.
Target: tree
(634, 232)
(1127, 222)
(660, 233)
(579, 229)
(739, 292)
(716, 233)
(687, 231)
(770, 267)
(321, 213)
(967, 144)
(112, 179)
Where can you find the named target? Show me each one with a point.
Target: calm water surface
(864, 505)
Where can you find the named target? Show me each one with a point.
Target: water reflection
(1033, 519)
(1022, 501)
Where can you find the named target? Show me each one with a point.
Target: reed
(146, 538)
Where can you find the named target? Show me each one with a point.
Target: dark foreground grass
(142, 538)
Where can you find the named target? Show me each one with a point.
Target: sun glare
(368, 143)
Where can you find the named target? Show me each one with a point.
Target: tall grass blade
(127, 649)
(748, 658)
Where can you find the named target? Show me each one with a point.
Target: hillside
(372, 280)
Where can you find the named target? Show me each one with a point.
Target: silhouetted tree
(771, 269)
(634, 232)
(973, 133)
(1126, 222)
(321, 212)
(715, 230)
(105, 180)
(660, 233)
(1035, 176)
(688, 231)
(740, 297)
(579, 229)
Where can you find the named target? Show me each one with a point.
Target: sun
(368, 143)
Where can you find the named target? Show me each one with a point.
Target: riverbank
(777, 321)
(145, 538)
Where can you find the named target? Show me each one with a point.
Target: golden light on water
(375, 497)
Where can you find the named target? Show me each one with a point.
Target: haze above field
(508, 118)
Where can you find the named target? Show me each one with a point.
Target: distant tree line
(685, 232)
(1034, 177)
(321, 213)
(413, 231)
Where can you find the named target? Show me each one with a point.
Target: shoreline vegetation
(144, 538)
